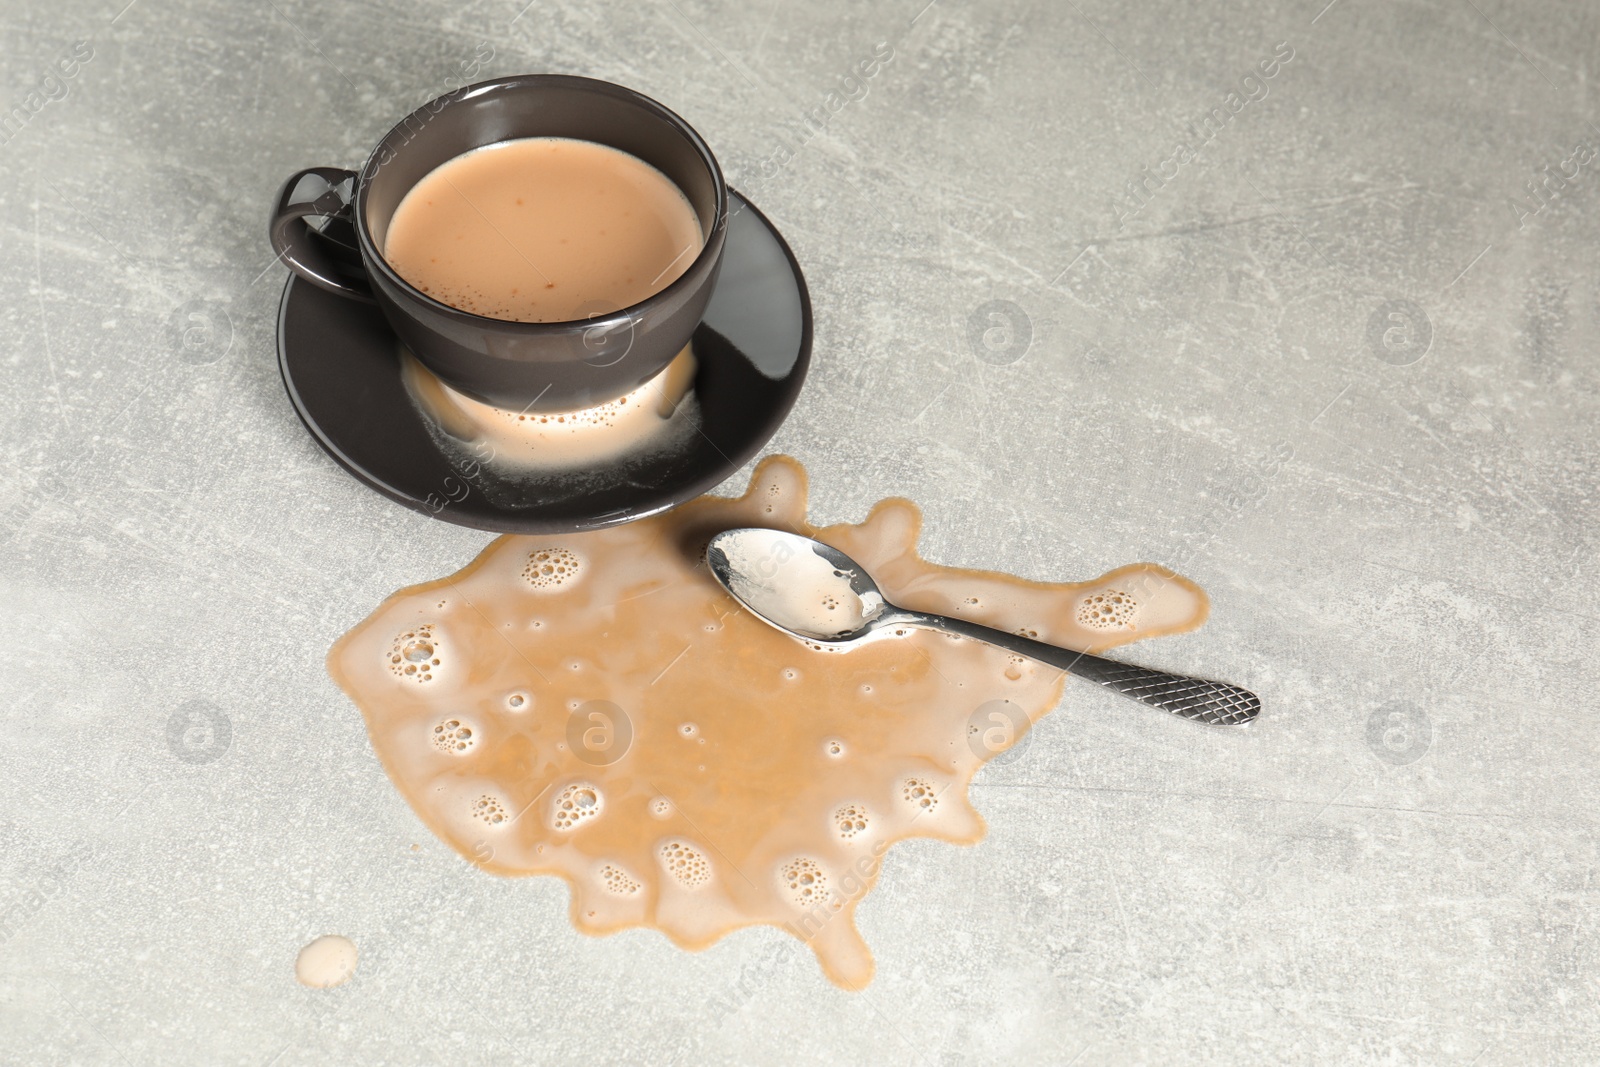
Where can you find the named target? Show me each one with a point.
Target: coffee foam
(1110, 609)
(741, 777)
(453, 737)
(577, 804)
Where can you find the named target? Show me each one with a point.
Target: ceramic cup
(525, 366)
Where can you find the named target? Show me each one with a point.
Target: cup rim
(711, 248)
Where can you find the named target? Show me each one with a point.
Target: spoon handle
(1213, 703)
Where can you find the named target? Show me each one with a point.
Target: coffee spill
(658, 413)
(328, 961)
(596, 707)
(543, 229)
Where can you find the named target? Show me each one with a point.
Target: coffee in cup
(543, 229)
(586, 334)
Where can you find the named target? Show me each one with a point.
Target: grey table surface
(1091, 289)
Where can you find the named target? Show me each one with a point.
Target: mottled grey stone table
(1090, 287)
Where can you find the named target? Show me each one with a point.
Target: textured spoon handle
(1213, 703)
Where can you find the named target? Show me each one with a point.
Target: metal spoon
(817, 593)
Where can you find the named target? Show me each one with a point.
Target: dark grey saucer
(340, 365)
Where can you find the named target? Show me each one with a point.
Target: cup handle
(320, 256)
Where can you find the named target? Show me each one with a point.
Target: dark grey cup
(530, 366)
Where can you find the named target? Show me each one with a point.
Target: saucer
(341, 366)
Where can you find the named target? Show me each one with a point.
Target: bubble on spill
(688, 729)
(453, 736)
(790, 674)
(833, 747)
(805, 880)
(851, 820)
(1110, 609)
(617, 881)
(415, 653)
(576, 804)
(548, 569)
(661, 807)
(517, 701)
(685, 863)
(490, 810)
(919, 793)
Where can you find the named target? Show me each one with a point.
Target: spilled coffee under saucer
(523, 459)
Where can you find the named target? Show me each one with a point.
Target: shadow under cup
(525, 366)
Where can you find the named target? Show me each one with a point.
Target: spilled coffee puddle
(595, 707)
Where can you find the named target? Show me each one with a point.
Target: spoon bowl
(797, 584)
